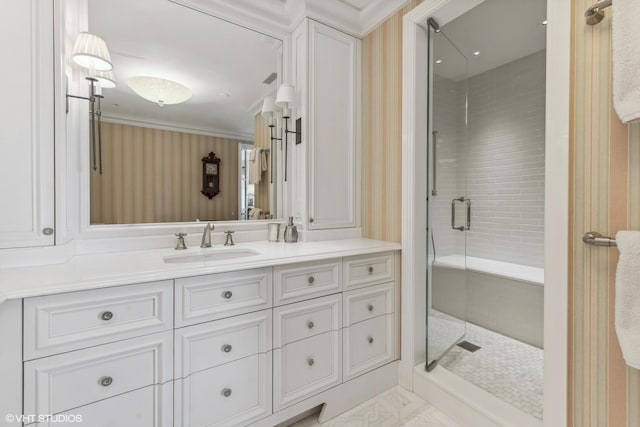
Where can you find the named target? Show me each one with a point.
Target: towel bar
(596, 239)
(595, 14)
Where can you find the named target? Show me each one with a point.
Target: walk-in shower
(486, 110)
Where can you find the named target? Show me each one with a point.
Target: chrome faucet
(206, 236)
(180, 245)
(229, 240)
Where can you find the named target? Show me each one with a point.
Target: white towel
(255, 166)
(628, 296)
(625, 33)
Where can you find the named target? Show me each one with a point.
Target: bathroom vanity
(132, 339)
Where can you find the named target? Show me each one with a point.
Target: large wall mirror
(187, 84)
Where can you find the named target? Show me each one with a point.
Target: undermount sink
(211, 255)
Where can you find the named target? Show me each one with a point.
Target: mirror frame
(74, 18)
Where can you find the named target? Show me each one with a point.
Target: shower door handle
(466, 201)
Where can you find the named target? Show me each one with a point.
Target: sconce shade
(286, 95)
(268, 107)
(90, 51)
(159, 90)
(106, 79)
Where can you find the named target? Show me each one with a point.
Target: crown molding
(175, 127)
(277, 16)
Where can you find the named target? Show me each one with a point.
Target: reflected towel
(255, 166)
(625, 34)
(627, 300)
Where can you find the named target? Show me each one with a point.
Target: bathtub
(504, 297)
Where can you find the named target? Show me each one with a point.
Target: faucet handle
(229, 240)
(181, 244)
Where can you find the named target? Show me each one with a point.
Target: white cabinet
(56, 384)
(234, 394)
(239, 348)
(57, 323)
(327, 163)
(26, 124)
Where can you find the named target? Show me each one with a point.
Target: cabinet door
(334, 99)
(26, 124)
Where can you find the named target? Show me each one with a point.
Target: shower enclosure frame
(414, 179)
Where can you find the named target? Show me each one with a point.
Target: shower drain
(470, 347)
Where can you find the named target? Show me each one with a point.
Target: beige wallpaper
(605, 196)
(153, 175)
(382, 129)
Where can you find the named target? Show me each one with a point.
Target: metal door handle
(467, 226)
(434, 191)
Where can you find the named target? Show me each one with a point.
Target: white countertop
(113, 269)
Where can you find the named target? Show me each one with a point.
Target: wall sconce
(90, 51)
(269, 111)
(286, 99)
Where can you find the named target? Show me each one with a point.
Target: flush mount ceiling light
(476, 53)
(438, 61)
(159, 90)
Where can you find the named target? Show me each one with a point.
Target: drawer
(211, 344)
(146, 407)
(365, 270)
(58, 383)
(306, 319)
(367, 303)
(306, 280)
(306, 367)
(215, 296)
(58, 323)
(234, 394)
(368, 344)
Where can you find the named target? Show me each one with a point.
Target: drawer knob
(310, 361)
(227, 294)
(370, 269)
(370, 339)
(106, 315)
(105, 381)
(226, 348)
(226, 392)
(310, 325)
(370, 307)
(311, 280)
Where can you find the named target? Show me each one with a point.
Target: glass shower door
(449, 209)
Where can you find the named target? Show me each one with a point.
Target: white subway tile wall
(500, 161)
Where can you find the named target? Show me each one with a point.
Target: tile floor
(393, 408)
(507, 368)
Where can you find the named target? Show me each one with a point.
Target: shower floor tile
(507, 368)
(394, 408)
